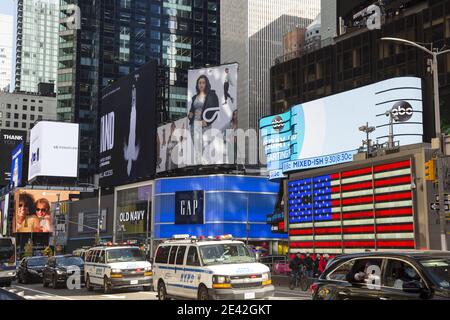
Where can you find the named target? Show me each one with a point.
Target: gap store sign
(325, 132)
(223, 204)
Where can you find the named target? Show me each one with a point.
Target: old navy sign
(189, 207)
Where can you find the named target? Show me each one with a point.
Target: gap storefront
(216, 205)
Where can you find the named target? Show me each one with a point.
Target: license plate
(249, 295)
(134, 282)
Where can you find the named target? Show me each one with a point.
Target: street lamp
(99, 213)
(435, 53)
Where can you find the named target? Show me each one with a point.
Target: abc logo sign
(402, 111)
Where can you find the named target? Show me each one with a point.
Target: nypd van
(111, 267)
(209, 269)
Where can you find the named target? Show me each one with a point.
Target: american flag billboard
(351, 211)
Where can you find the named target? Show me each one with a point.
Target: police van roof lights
(180, 236)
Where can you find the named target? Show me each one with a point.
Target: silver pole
(99, 214)
(440, 168)
(147, 226)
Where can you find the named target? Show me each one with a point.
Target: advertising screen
(353, 210)
(325, 132)
(189, 207)
(34, 209)
(128, 127)
(54, 150)
(16, 166)
(9, 140)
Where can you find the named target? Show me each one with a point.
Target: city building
(117, 37)
(6, 50)
(19, 111)
(252, 34)
(357, 57)
(37, 44)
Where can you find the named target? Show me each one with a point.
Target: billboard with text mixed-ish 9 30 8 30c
(326, 132)
(53, 150)
(127, 128)
(9, 140)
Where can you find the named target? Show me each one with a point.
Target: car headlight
(266, 279)
(147, 269)
(116, 271)
(221, 279)
(60, 272)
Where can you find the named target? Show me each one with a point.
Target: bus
(7, 261)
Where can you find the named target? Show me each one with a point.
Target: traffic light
(430, 170)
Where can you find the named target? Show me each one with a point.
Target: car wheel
(162, 292)
(203, 293)
(89, 287)
(106, 286)
(54, 283)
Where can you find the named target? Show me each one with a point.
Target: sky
(7, 7)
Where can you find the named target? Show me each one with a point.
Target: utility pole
(435, 53)
(99, 214)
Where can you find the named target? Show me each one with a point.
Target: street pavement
(38, 292)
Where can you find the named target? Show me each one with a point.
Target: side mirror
(414, 287)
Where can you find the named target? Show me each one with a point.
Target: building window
(41, 109)
(24, 117)
(16, 125)
(24, 108)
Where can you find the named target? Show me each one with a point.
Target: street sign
(446, 198)
(435, 206)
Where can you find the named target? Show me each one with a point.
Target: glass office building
(37, 43)
(117, 37)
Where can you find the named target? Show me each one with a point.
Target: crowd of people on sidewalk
(312, 265)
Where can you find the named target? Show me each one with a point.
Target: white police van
(205, 268)
(112, 267)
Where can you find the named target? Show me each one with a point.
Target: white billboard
(325, 132)
(54, 150)
(168, 142)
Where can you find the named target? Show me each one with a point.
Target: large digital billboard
(53, 150)
(325, 132)
(206, 136)
(33, 209)
(16, 166)
(128, 127)
(9, 140)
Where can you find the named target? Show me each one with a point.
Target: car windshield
(226, 254)
(439, 270)
(124, 255)
(37, 262)
(6, 251)
(69, 261)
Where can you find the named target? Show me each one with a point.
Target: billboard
(201, 138)
(34, 209)
(127, 128)
(53, 150)
(9, 140)
(16, 166)
(189, 207)
(353, 210)
(4, 210)
(325, 132)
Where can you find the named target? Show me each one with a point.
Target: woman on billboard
(205, 104)
(26, 219)
(44, 215)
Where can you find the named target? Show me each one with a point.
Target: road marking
(113, 296)
(45, 293)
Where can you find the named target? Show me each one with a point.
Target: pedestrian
(309, 265)
(323, 263)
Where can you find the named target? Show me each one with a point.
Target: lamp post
(435, 53)
(99, 210)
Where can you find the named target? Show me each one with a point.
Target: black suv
(412, 275)
(30, 269)
(60, 268)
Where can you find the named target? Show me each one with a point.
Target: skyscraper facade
(6, 50)
(117, 37)
(252, 35)
(37, 43)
